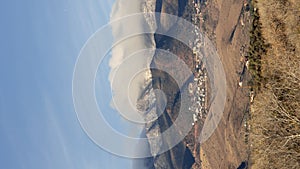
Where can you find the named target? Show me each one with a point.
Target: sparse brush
(275, 123)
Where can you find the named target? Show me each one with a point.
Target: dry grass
(275, 122)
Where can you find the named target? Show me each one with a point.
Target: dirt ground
(226, 148)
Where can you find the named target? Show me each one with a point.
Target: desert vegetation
(274, 56)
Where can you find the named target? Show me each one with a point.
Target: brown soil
(226, 148)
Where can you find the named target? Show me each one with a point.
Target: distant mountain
(179, 157)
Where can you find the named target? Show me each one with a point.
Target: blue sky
(40, 41)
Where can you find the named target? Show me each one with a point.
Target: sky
(40, 42)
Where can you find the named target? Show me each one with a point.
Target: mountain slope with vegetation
(275, 66)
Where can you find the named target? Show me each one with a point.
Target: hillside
(275, 67)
